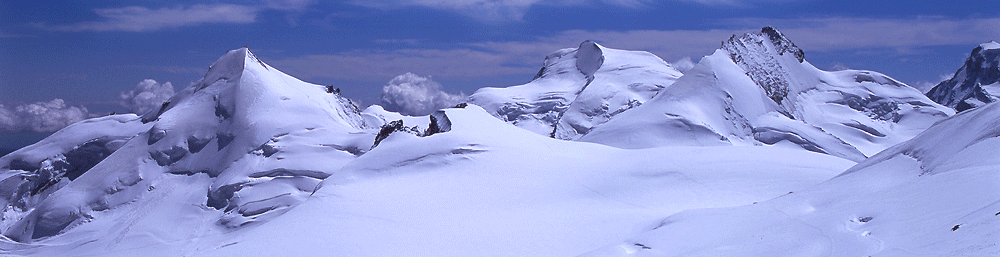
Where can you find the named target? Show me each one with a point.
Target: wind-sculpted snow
(758, 89)
(934, 195)
(487, 188)
(975, 84)
(477, 186)
(579, 89)
(246, 133)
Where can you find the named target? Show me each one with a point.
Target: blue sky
(87, 52)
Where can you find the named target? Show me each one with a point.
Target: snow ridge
(973, 85)
(758, 89)
(578, 89)
(756, 54)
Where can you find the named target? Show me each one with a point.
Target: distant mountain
(579, 89)
(975, 84)
(758, 89)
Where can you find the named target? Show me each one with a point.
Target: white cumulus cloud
(147, 95)
(413, 95)
(41, 116)
(7, 119)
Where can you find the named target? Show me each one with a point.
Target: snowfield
(753, 152)
(935, 195)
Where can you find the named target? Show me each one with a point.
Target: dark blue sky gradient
(39, 63)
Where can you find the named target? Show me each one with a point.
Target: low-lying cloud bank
(50, 116)
(40, 117)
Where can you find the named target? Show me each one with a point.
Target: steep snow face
(935, 195)
(758, 89)
(253, 140)
(973, 85)
(758, 55)
(29, 175)
(579, 89)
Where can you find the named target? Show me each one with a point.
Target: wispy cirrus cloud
(137, 18)
(497, 11)
(487, 59)
(140, 19)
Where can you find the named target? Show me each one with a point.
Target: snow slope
(758, 89)
(487, 188)
(975, 84)
(934, 195)
(482, 188)
(578, 89)
(243, 144)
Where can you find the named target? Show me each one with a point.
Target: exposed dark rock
(151, 116)
(964, 90)
(439, 123)
(751, 53)
(387, 129)
(332, 90)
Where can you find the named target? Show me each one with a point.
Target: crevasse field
(606, 152)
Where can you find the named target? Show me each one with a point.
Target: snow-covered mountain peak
(760, 55)
(231, 65)
(758, 89)
(990, 45)
(768, 40)
(973, 85)
(579, 88)
(589, 58)
(256, 140)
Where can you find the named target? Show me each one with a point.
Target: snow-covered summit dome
(578, 89)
